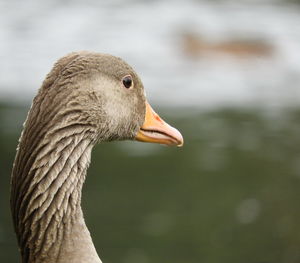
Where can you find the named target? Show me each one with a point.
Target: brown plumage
(83, 100)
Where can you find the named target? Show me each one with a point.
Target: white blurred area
(188, 53)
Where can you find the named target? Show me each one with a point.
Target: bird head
(111, 96)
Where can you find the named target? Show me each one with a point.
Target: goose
(194, 46)
(87, 98)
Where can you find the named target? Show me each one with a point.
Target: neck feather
(48, 174)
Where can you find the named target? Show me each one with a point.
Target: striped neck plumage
(48, 175)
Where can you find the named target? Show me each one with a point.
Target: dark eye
(127, 82)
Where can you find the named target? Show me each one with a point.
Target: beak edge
(156, 130)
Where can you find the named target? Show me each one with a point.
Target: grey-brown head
(109, 94)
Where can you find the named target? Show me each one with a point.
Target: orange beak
(156, 130)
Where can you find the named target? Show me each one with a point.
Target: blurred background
(226, 74)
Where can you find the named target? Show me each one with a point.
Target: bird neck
(46, 198)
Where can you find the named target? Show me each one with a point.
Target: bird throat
(46, 189)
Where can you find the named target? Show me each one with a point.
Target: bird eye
(127, 82)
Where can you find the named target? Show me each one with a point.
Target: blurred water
(230, 195)
(149, 35)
